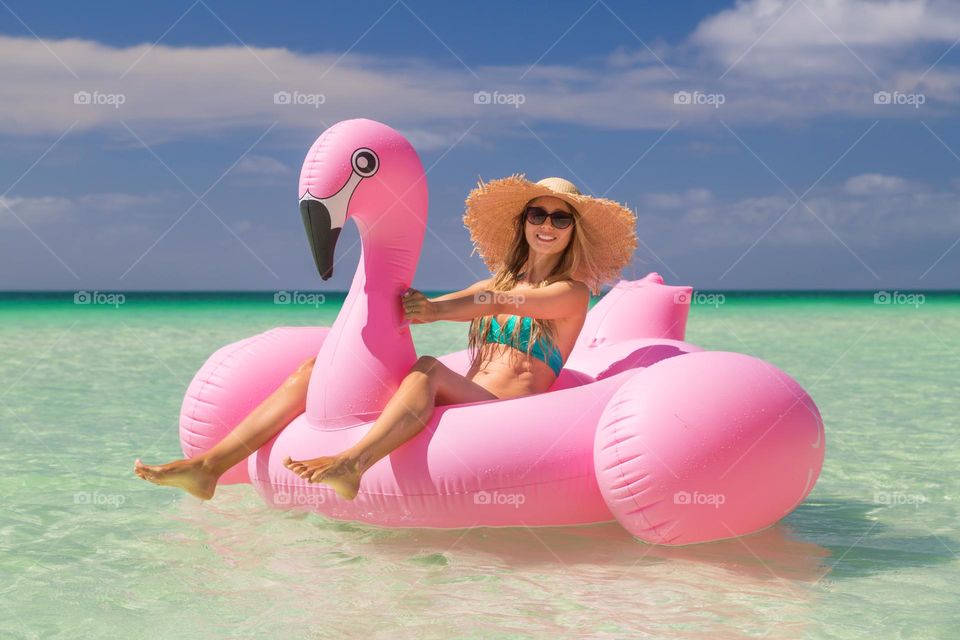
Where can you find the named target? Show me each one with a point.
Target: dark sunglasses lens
(536, 215)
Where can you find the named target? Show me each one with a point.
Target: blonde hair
(507, 277)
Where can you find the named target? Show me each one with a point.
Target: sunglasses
(559, 219)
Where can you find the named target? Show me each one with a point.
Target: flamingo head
(359, 169)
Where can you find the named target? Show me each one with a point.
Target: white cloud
(31, 209)
(797, 71)
(178, 91)
(261, 166)
(869, 210)
(688, 198)
(784, 38)
(867, 184)
(43, 209)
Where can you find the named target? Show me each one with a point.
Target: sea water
(89, 550)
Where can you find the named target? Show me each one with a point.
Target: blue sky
(783, 171)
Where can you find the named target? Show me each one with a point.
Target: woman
(549, 248)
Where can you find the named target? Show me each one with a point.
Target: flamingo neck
(367, 353)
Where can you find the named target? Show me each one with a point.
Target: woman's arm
(557, 300)
(474, 288)
(418, 308)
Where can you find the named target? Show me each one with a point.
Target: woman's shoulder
(580, 285)
(582, 290)
(577, 285)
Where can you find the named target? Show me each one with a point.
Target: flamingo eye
(365, 162)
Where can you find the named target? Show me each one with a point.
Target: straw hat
(607, 227)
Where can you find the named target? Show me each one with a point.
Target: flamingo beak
(321, 233)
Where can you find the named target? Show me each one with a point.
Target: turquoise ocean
(88, 550)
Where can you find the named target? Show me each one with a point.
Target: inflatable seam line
(195, 397)
(608, 311)
(202, 401)
(344, 313)
(210, 383)
(633, 496)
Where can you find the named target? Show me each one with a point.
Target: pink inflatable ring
(678, 444)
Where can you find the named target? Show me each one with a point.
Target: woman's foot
(190, 475)
(341, 473)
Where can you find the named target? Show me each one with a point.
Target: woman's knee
(424, 370)
(303, 371)
(425, 364)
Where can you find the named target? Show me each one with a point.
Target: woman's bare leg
(428, 384)
(199, 475)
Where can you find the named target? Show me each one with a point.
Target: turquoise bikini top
(502, 336)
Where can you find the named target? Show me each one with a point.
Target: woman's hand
(417, 308)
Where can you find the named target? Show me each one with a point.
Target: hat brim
(608, 228)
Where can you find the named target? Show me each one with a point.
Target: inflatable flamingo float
(679, 444)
